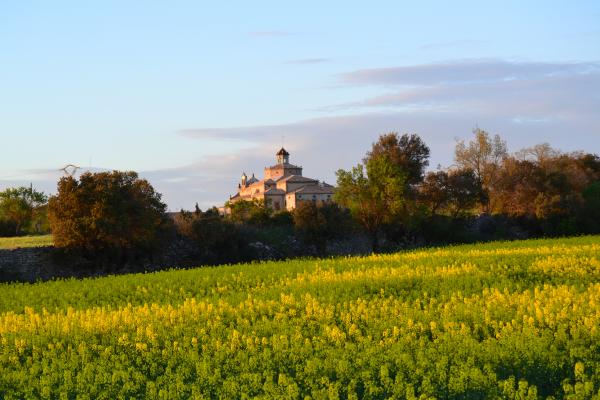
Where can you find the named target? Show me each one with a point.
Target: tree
(253, 212)
(456, 191)
(220, 240)
(591, 196)
(407, 152)
(107, 211)
(374, 198)
(518, 185)
(317, 224)
(464, 191)
(21, 206)
(433, 192)
(483, 155)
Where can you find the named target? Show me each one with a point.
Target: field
(25, 241)
(516, 320)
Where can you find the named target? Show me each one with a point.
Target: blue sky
(191, 94)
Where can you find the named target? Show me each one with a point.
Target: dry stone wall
(26, 264)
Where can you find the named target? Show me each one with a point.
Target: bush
(109, 212)
(8, 228)
(219, 239)
(318, 224)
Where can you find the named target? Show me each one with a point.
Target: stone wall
(45, 263)
(26, 264)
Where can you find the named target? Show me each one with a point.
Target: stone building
(283, 186)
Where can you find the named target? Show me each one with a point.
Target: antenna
(282, 141)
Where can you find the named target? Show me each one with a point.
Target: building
(283, 186)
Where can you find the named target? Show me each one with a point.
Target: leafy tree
(433, 192)
(21, 206)
(374, 198)
(483, 155)
(519, 184)
(407, 152)
(317, 224)
(311, 224)
(455, 191)
(464, 191)
(106, 211)
(253, 212)
(219, 239)
(591, 213)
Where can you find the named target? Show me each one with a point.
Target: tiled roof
(295, 178)
(284, 166)
(315, 189)
(274, 191)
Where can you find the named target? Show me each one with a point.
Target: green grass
(25, 241)
(498, 320)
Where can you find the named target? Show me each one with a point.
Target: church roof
(284, 166)
(282, 152)
(274, 191)
(296, 178)
(315, 189)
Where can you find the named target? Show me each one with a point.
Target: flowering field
(517, 320)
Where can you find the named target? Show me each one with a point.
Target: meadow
(25, 241)
(515, 320)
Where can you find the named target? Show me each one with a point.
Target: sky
(191, 94)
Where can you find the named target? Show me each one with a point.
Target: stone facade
(283, 186)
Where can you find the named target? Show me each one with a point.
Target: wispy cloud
(462, 72)
(526, 103)
(309, 61)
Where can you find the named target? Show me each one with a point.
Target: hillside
(506, 319)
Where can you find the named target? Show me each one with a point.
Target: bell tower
(283, 157)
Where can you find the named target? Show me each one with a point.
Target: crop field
(25, 241)
(515, 320)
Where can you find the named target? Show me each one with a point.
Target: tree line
(537, 191)
(390, 199)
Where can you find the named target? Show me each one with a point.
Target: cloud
(270, 33)
(309, 61)
(460, 72)
(562, 96)
(526, 103)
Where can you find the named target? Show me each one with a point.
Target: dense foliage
(517, 320)
(22, 211)
(106, 211)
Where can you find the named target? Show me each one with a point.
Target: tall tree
(407, 152)
(483, 155)
(374, 198)
(21, 205)
(455, 192)
(433, 192)
(464, 191)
